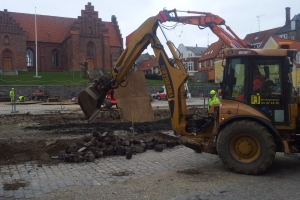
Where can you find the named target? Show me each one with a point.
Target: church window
(90, 50)
(6, 40)
(90, 30)
(55, 59)
(29, 58)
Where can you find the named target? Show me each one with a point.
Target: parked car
(162, 93)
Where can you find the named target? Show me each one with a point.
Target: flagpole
(36, 63)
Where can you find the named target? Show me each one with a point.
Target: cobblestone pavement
(38, 180)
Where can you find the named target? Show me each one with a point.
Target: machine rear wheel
(106, 103)
(246, 147)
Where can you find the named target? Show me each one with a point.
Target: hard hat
(12, 88)
(212, 92)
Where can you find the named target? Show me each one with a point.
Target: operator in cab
(258, 80)
(213, 98)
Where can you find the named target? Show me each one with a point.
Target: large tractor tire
(106, 103)
(246, 147)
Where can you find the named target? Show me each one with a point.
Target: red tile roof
(212, 51)
(58, 27)
(147, 65)
(260, 37)
(295, 44)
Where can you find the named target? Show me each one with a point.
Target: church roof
(56, 29)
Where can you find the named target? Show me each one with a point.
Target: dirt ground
(26, 137)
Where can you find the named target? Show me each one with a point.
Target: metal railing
(38, 100)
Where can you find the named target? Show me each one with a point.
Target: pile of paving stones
(97, 145)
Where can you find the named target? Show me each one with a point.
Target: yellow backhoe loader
(250, 124)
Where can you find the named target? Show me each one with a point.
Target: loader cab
(260, 79)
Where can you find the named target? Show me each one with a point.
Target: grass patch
(61, 78)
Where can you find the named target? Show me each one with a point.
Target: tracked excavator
(248, 126)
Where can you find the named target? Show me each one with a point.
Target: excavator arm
(203, 20)
(173, 75)
(92, 97)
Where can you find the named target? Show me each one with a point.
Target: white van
(162, 93)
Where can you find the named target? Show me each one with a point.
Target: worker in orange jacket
(258, 81)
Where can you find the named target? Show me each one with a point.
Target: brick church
(61, 42)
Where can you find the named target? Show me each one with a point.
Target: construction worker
(21, 98)
(12, 95)
(258, 80)
(213, 99)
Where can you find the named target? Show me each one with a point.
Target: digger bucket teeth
(90, 101)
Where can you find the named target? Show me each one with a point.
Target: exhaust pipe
(91, 99)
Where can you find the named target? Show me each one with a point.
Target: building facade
(189, 56)
(62, 43)
(291, 28)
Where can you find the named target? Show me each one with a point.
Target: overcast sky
(240, 15)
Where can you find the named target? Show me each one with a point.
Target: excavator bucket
(91, 99)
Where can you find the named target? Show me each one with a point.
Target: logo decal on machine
(255, 99)
(165, 76)
(244, 52)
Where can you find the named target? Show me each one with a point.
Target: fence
(38, 99)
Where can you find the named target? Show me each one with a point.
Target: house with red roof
(149, 67)
(257, 40)
(210, 63)
(61, 42)
(214, 53)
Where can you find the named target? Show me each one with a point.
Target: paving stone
(70, 183)
(78, 183)
(46, 190)
(50, 178)
(31, 195)
(61, 185)
(104, 183)
(37, 194)
(18, 196)
(85, 181)
(9, 193)
(36, 187)
(105, 175)
(110, 179)
(120, 180)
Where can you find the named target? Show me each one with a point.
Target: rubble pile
(122, 143)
